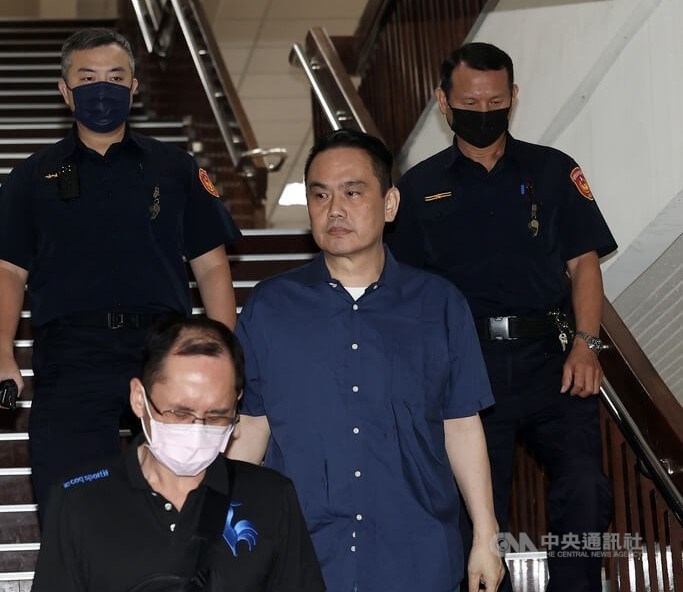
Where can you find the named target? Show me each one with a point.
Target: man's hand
(581, 371)
(9, 369)
(484, 566)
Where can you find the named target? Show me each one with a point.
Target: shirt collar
(216, 476)
(316, 272)
(72, 142)
(511, 152)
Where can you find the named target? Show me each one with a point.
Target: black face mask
(101, 106)
(479, 128)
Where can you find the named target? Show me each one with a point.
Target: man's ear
(391, 201)
(66, 93)
(137, 397)
(442, 101)
(133, 89)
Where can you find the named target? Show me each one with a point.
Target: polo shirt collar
(216, 476)
(316, 272)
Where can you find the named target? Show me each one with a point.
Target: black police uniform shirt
(472, 226)
(115, 236)
(107, 530)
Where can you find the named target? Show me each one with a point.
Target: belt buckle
(499, 328)
(115, 320)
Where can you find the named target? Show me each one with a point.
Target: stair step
(17, 495)
(18, 557)
(19, 527)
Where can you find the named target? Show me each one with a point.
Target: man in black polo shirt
(100, 225)
(507, 221)
(172, 506)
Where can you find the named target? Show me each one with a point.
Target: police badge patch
(208, 185)
(579, 179)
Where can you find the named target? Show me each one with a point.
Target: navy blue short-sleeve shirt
(472, 226)
(356, 393)
(119, 236)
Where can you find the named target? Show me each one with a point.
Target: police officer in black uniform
(507, 221)
(100, 225)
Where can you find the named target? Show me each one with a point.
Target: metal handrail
(324, 69)
(150, 20)
(657, 469)
(318, 91)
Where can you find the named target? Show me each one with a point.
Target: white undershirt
(356, 293)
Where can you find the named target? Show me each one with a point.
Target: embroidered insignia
(438, 196)
(155, 208)
(242, 530)
(51, 175)
(208, 185)
(579, 180)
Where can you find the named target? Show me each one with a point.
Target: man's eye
(182, 414)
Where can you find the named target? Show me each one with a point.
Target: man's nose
(336, 207)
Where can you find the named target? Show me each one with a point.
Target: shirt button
(172, 527)
(357, 473)
(168, 506)
(354, 346)
(353, 534)
(354, 388)
(356, 430)
(355, 307)
(353, 548)
(359, 517)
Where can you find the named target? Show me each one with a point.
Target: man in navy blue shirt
(364, 383)
(100, 225)
(509, 223)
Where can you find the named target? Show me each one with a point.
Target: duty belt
(517, 327)
(110, 320)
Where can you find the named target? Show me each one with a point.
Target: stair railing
(156, 20)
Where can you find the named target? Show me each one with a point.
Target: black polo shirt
(472, 226)
(107, 530)
(104, 249)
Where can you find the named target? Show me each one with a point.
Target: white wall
(603, 81)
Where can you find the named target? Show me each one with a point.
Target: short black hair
(477, 55)
(91, 38)
(194, 336)
(382, 159)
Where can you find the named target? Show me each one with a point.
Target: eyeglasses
(182, 416)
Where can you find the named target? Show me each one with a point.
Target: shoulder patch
(579, 179)
(208, 185)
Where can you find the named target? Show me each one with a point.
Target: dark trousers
(81, 394)
(563, 432)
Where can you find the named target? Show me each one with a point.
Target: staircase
(33, 115)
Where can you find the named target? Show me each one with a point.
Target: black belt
(110, 320)
(514, 327)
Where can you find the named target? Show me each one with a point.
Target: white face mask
(186, 449)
